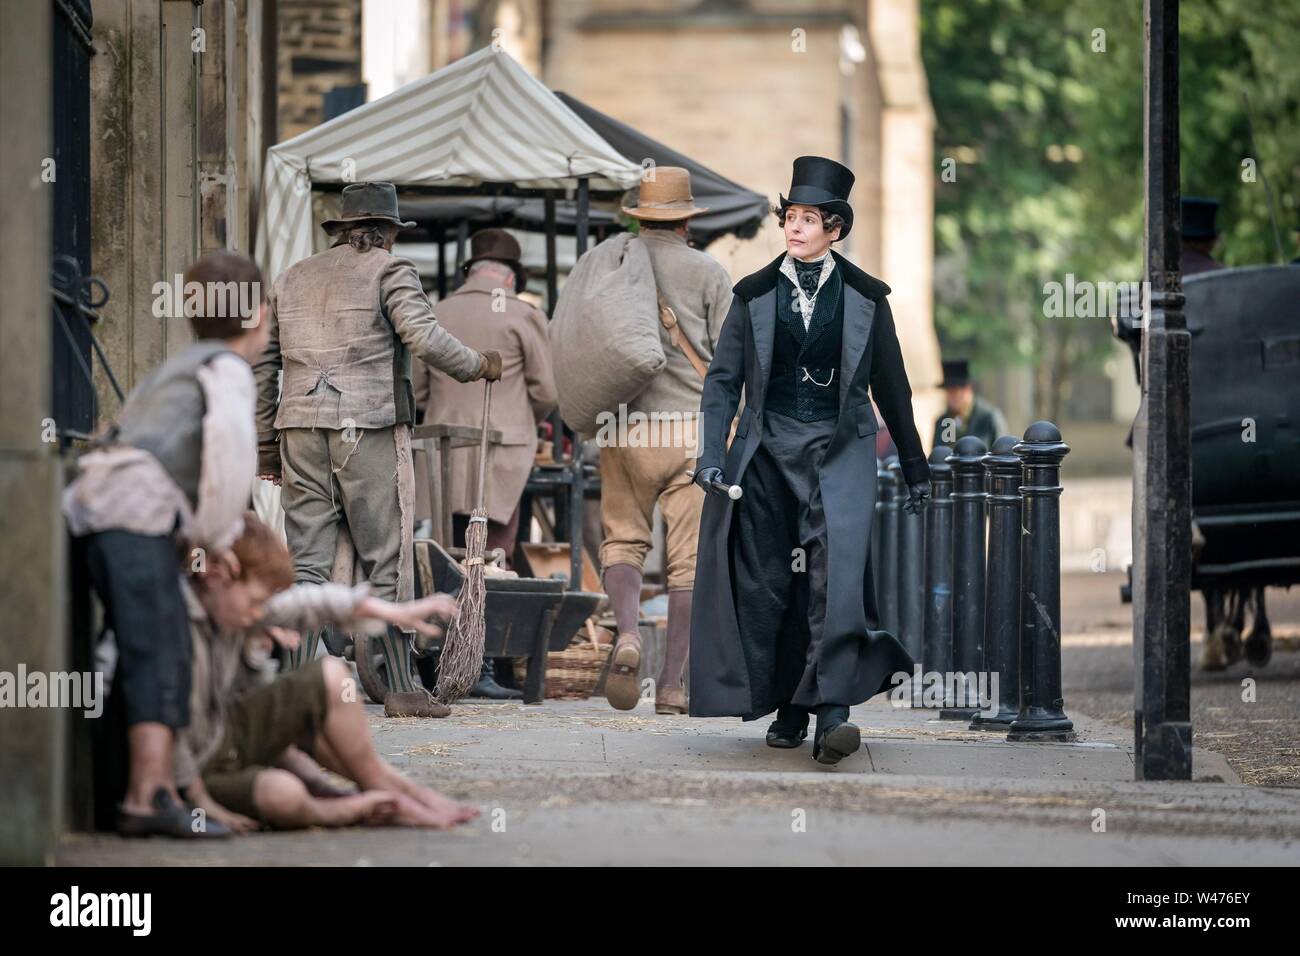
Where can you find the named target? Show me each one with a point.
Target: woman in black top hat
(785, 616)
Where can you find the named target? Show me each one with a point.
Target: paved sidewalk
(578, 783)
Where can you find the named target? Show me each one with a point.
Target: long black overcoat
(855, 659)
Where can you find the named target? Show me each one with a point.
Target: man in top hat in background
(487, 314)
(343, 325)
(966, 413)
(1199, 235)
(787, 619)
(637, 476)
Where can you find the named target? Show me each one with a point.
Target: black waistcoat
(790, 391)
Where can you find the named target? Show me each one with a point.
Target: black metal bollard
(1002, 583)
(938, 566)
(887, 503)
(911, 576)
(968, 497)
(1042, 714)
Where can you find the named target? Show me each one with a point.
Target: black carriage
(1244, 326)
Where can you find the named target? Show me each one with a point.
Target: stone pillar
(32, 561)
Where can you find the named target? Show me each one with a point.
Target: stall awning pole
(440, 237)
(552, 292)
(577, 489)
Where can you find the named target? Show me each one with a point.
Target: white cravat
(806, 303)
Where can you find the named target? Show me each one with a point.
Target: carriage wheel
(371, 668)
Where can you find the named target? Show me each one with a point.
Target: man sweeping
(344, 324)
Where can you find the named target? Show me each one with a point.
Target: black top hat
(824, 183)
(1198, 217)
(365, 201)
(956, 373)
(499, 246)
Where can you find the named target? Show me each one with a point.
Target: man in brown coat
(486, 314)
(344, 324)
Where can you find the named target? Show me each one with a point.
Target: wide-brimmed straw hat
(363, 202)
(665, 196)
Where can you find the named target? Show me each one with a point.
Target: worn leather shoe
(832, 744)
(169, 819)
(413, 703)
(789, 729)
(784, 736)
(622, 683)
(487, 687)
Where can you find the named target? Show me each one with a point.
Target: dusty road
(1260, 739)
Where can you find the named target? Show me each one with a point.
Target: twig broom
(462, 654)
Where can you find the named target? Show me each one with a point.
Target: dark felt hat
(1198, 214)
(366, 201)
(824, 183)
(956, 373)
(499, 246)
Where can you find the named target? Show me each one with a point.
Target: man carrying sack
(337, 433)
(646, 464)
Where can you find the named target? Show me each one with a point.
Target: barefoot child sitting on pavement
(244, 757)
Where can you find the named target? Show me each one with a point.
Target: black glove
(705, 477)
(918, 496)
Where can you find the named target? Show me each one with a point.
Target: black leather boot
(486, 686)
(835, 738)
(789, 729)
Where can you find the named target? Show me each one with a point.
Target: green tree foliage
(1038, 107)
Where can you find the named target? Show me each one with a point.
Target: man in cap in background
(487, 314)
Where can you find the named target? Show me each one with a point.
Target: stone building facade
(744, 86)
(319, 50)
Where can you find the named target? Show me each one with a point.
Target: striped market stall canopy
(483, 119)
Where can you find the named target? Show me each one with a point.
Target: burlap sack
(605, 340)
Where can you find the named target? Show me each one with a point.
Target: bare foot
(379, 808)
(432, 799)
(412, 813)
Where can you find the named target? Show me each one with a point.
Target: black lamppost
(1162, 485)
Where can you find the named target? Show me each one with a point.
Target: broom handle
(483, 441)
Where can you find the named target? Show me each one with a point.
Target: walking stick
(462, 655)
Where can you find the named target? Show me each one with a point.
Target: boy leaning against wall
(164, 489)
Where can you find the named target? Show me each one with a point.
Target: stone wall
(320, 48)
